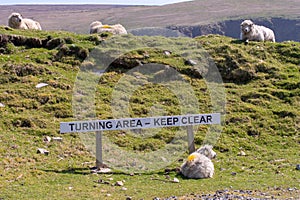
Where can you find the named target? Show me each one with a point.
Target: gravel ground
(278, 193)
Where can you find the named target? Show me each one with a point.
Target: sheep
(251, 31)
(199, 164)
(94, 26)
(15, 20)
(98, 27)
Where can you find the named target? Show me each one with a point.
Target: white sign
(138, 123)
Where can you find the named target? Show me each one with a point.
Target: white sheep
(199, 164)
(15, 20)
(251, 31)
(98, 27)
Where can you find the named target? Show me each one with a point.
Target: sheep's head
(207, 151)
(95, 23)
(246, 26)
(15, 18)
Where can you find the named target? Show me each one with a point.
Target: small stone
(233, 173)
(190, 62)
(128, 198)
(110, 179)
(42, 151)
(2, 105)
(108, 195)
(124, 188)
(47, 139)
(40, 85)
(57, 139)
(101, 170)
(298, 166)
(175, 180)
(119, 183)
(167, 53)
(241, 153)
(164, 159)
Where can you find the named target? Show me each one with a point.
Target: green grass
(261, 82)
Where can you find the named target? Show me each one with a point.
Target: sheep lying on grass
(199, 164)
(251, 31)
(98, 27)
(15, 20)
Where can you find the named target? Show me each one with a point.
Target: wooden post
(99, 161)
(191, 138)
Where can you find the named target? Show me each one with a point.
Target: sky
(118, 2)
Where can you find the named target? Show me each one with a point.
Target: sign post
(191, 139)
(99, 126)
(99, 160)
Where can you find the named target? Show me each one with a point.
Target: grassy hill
(258, 148)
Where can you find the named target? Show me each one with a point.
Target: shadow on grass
(237, 42)
(79, 171)
(83, 171)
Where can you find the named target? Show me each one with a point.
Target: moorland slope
(258, 149)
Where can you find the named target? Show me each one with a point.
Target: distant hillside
(285, 29)
(191, 18)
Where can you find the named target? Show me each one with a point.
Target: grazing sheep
(199, 164)
(98, 27)
(94, 25)
(15, 20)
(251, 31)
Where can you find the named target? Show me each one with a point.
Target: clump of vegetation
(261, 81)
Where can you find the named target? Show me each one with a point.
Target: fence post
(99, 160)
(191, 138)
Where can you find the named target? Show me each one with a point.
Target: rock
(2, 105)
(47, 139)
(175, 180)
(190, 62)
(119, 183)
(167, 53)
(40, 85)
(241, 153)
(57, 139)
(233, 173)
(298, 166)
(42, 151)
(124, 188)
(100, 170)
(128, 198)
